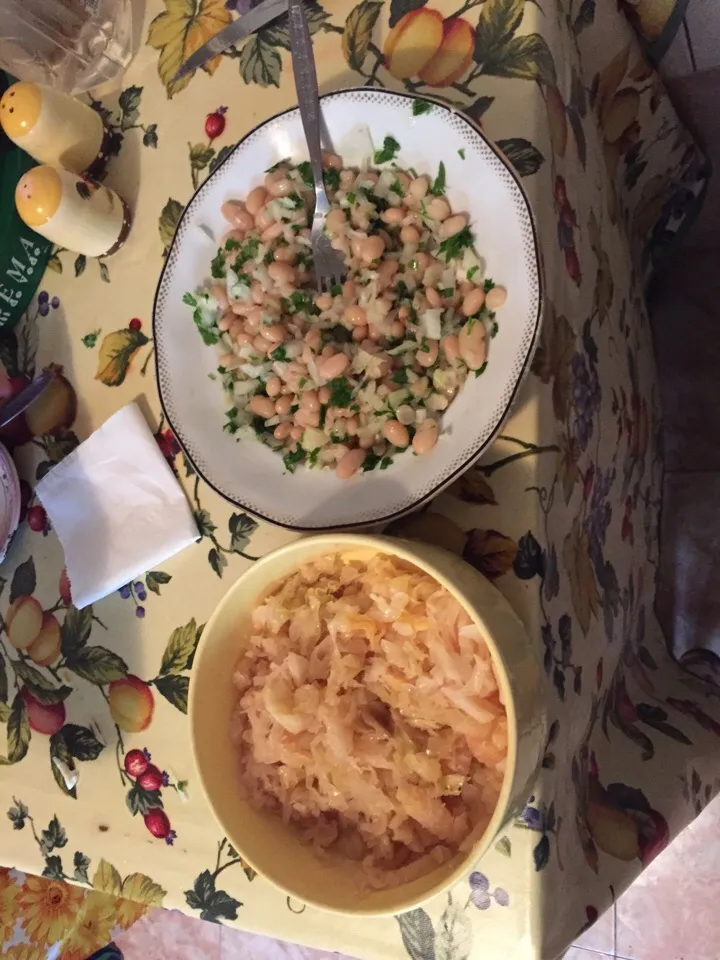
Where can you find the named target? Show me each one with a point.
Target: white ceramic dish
(482, 184)
(261, 838)
(9, 501)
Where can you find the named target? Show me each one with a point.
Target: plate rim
(522, 375)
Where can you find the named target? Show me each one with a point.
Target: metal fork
(329, 265)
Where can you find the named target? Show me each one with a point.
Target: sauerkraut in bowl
(369, 716)
(370, 720)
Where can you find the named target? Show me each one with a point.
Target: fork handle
(306, 86)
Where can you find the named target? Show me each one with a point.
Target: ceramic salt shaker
(73, 212)
(53, 127)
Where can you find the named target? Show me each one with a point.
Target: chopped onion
(430, 325)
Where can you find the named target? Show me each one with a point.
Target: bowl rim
(403, 550)
(521, 376)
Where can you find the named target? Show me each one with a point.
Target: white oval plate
(249, 474)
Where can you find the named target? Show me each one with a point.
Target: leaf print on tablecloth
(97, 665)
(358, 32)
(568, 463)
(175, 690)
(42, 689)
(530, 559)
(585, 17)
(526, 158)
(179, 31)
(418, 934)
(472, 487)
(454, 934)
(116, 354)
(604, 284)
(552, 359)
(24, 580)
(168, 222)
(76, 628)
(579, 568)
(500, 53)
(180, 648)
(398, 9)
(260, 63)
(490, 552)
(18, 732)
(213, 904)
(81, 742)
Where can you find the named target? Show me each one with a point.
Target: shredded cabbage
(368, 715)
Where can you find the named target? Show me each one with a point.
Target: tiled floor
(669, 913)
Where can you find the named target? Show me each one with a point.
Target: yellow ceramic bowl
(260, 838)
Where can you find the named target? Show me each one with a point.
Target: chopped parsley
(336, 438)
(305, 171)
(380, 203)
(291, 460)
(400, 376)
(231, 426)
(354, 408)
(420, 107)
(472, 271)
(385, 463)
(352, 198)
(208, 334)
(424, 345)
(488, 285)
(438, 187)
(397, 188)
(296, 200)
(413, 172)
(370, 461)
(275, 166)
(258, 425)
(268, 258)
(447, 292)
(401, 289)
(340, 392)
(302, 382)
(279, 354)
(389, 150)
(217, 265)
(340, 334)
(336, 290)
(454, 246)
(332, 178)
(299, 300)
(462, 153)
(481, 370)
(246, 251)
(312, 457)
(413, 264)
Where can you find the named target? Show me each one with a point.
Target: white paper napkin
(116, 506)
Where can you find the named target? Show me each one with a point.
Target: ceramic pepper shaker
(53, 127)
(74, 212)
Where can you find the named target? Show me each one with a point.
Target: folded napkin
(116, 506)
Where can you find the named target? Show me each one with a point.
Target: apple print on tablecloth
(45, 653)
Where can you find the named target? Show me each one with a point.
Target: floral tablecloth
(561, 514)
